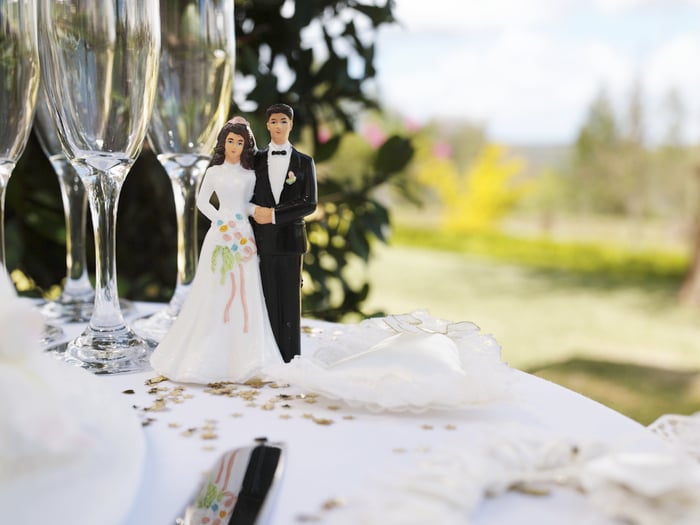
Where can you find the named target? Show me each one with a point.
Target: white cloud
(524, 83)
(417, 15)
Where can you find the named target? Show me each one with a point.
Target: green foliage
(609, 262)
(322, 92)
(613, 170)
(348, 219)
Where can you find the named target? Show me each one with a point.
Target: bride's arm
(206, 190)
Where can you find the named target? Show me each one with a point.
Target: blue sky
(528, 69)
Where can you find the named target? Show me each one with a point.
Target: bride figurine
(223, 332)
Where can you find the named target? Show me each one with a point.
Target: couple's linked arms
(304, 204)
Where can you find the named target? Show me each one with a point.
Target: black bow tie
(281, 152)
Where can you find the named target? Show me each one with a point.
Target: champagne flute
(99, 59)
(19, 83)
(76, 299)
(194, 97)
(78, 296)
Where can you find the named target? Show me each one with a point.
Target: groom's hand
(262, 215)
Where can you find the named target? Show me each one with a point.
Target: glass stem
(103, 194)
(74, 199)
(6, 168)
(3, 185)
(185, 183)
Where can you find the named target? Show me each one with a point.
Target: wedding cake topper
(223, 332)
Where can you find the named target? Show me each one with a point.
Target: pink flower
(442, 150)
(374, 135)
(324, 135)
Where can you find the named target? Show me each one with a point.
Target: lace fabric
(616, 481)
(682, 432)
(409, 362)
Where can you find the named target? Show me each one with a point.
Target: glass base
(155, 326)
(110, 352)
(51, 335)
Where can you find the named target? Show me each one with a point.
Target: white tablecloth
(333, 450)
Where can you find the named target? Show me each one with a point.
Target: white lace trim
(639, 487)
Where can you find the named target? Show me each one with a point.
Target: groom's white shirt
(277, 168)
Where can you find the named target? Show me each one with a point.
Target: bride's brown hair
(249, 146)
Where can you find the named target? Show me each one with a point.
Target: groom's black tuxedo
(281, 245)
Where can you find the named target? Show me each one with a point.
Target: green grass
(601, 321)
(643, 392)
(605, 261)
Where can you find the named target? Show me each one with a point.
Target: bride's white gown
(222, 332)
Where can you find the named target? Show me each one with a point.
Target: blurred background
(530, 166)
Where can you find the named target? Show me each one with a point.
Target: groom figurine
(285, 192)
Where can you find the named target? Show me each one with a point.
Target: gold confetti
(174, 425)
(427, 427)
(331, 504)
(530, 489)
(209, 435)
(450, 427)
(268, 406)
(147, 421)
(349, 417)
(307, 396)
(157, 406)
(310, 400)
(399, 450)
(322, 421)
(236, 414)
(188, 432)
(209, 448)
(248, 394)
(256, 382)
(129, 391)
(156, 380)
(285, 416)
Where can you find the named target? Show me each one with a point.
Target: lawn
(627, 344)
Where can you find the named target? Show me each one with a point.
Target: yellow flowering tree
(476, 199)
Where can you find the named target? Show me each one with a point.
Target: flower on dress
(291, 178)
(235, 245)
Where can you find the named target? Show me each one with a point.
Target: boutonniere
(291, 178)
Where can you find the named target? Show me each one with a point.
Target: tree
(327, 83)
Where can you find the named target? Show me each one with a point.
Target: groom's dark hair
(279, 108)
